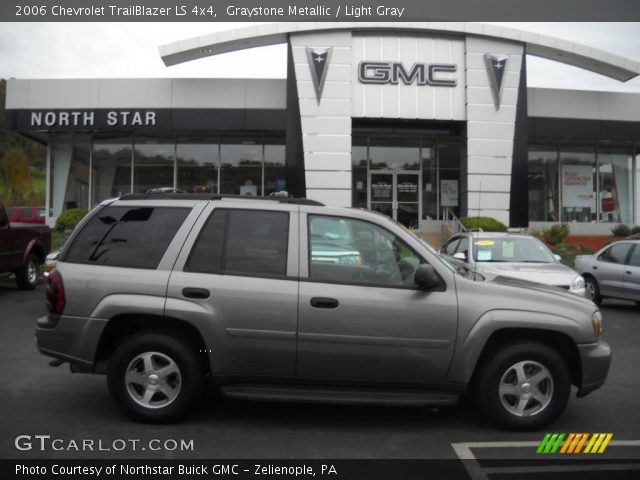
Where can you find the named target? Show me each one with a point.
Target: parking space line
(477, 472)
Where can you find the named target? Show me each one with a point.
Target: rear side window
(132, 237)
(24, 213)
(616, 253)
(249, 242)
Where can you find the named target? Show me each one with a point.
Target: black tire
(498, 370)
(27, 276)
(187, 384)
(593, 289)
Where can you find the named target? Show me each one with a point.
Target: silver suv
(286, 299)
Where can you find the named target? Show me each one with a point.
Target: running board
(336, 395)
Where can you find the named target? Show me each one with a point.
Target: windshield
(525, 250)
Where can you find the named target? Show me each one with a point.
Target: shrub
(487, 224)
(535, 232)
(70, 218)
(635, 231)
(556, 234)
(569, 252)
(621, 230)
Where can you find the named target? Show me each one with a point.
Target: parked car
(161, 292)
(23, 248)
(522, 257)
(612, 272)
(27, 214)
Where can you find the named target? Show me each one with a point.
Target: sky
(108, 50)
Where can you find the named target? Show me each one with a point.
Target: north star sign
(112, 118)
(380, 73)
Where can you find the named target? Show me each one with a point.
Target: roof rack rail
(207, 196)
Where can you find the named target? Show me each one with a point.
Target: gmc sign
(380, 73)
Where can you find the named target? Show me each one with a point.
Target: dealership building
(420, 121)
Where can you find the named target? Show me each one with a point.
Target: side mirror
(557, 257)
(460, 256)
(426, 277)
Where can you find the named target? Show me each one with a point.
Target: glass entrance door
(397, 195)
(381, 192)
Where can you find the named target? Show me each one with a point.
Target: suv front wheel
(523, 386)
(154, 377)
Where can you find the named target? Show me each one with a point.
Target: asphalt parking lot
(37, 399)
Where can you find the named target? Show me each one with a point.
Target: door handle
(323, 302)
(594, 267)
(628, 272)
(200, 293)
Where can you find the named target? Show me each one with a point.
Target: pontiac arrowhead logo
(319, 59)
(496, 65)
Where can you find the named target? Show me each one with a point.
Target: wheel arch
(558, 341)
(124, 325)
(34, 248)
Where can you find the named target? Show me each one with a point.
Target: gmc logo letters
(381, 73)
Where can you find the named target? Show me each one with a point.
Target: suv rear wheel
(524, 386)
(154, 377)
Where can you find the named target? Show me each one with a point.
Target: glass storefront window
(578, 184)
(198, 164)
(241, 172)
(409, 178)
(111, 168)
(394, 153)
(274, 169)
(153, 164)
(430, 205)
(615, 185)
(543, 183)
(359, 173)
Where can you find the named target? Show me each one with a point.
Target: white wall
(490, 129)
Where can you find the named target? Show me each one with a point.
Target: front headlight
(596, 319)
(578, 283)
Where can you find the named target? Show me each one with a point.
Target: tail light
(55, 293)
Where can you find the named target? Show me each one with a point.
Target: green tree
(35, 153)
(16, 176)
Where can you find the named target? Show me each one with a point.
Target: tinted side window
(206, 256)
(634, 260)
(132, 237)
(616, 253)
(242, 241)
(24, 213)
(257, 242)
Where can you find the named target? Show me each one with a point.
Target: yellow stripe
(584, 439)
(606, 442)
(567, 442)
(601, 436)
(593, 439)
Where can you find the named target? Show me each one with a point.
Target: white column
(326, 126)
(61, 165)
(490, 130)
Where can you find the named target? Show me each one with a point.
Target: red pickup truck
(23, 248)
